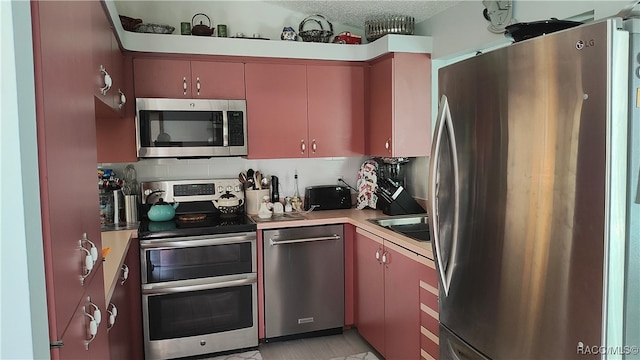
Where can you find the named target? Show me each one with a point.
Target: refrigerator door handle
(444, 121)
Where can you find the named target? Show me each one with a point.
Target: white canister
(253, 200)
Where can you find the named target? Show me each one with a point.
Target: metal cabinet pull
(378, 255)
(385, 258)
(107, 81)
(184, 86)
(303, 146)
(97, 314)
(198, 85)
(88, 264)
(125, 274)
(93, 328)
(113, 314)
(387, 145)
(314, 147)
(123, 99)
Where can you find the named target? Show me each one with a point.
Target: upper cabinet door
(162, 78)
(335, 110)
(276, 110)
(217, 80)
(399, 106)
(380, 127)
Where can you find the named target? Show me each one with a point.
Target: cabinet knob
(314, 147)
(184, 86)
(378, 254)
(198, 85)
(303, 146)
(387, 145)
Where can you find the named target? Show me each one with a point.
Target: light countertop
(119, 240)
(359, 219)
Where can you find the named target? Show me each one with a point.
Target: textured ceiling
(355, 12)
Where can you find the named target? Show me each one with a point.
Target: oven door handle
(195, 241)
(273, 242)
(208, 285)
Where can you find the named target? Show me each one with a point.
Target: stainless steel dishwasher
(303, 280)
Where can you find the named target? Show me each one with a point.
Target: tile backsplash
(322, 171)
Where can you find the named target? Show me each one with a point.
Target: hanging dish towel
(367, 185)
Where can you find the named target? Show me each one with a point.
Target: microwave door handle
(225, 128)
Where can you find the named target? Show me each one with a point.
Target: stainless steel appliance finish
(199, 272)
(527, 189)
(303, 280)
(185, 128)
(199, 295)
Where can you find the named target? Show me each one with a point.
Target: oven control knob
(229, 188)
(237, 188)
(220, 189)
(203, 343)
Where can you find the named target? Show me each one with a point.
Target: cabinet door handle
(198, 85)
(387, 145)
(184, 86)
(123, 99)
(93, 328)
(97, 315)
(107, 81)
(314, 147)
(303, 146)
(378, 255)
(385, 258)
(113, 314)
(88, 264)
(125, 274)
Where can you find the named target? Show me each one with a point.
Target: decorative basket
(129, 23)
(399, 24)
(154, 28)
(315, 35)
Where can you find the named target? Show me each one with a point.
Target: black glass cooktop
(212, 224)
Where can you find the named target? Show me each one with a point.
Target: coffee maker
(393, 198)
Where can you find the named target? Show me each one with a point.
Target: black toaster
(327, 197)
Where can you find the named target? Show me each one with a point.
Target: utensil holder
(253, 200)
(131, 208)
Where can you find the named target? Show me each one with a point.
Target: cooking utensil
(265, 183)
(201, 29)
(257, 180)
(250, 178)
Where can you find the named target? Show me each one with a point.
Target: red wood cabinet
(78, 343)
(335, 100)
(370, 319)
(399, 105)
(125, 334)
(276, 110)
(66, 153)
(178, 78)
(388, 292)
(299, 111)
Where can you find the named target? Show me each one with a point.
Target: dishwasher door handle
(303, 240)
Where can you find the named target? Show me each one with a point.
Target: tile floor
(346, 346)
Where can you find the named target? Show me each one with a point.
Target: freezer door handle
(273, 242)
(444, 122)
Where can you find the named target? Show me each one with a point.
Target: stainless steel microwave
(190, 128)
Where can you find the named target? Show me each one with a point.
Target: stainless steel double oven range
(199, 271)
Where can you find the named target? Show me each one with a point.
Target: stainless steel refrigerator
(528, 192)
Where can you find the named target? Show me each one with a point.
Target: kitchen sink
(415, 227)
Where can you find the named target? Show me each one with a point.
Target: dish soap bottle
(296, 201)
